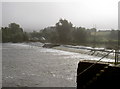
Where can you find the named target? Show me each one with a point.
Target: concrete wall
(99, 76)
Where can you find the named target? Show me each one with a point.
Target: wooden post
(116, 57)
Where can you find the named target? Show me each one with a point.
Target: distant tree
(93, 30)
(25, 36)
(114, 35)
(50, 34)
(119, 38)
(80, 35)
(6, 34)
(0, 35)
(12, 33)
(113, 40)
(63, 28)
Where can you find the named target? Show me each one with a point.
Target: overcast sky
(102, 14)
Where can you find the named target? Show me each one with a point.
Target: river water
(30, 65)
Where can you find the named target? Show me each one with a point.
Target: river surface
(30, 65)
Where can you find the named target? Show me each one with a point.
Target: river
(30, 65)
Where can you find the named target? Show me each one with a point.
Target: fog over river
(30, 65)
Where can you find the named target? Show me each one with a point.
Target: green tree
(50, 34)
(13, 33)
(63, 28)
(80, 35)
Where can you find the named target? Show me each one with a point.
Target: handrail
(94, 63)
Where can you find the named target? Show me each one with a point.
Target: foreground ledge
(99, 76)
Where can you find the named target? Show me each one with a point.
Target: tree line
(62, 33)
(13, 33)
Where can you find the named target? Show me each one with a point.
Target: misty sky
(102, 14)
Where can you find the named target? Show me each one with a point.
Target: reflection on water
(30, 65)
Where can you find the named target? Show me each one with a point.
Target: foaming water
(28, 64)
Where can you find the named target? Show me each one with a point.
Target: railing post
(116, 57)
